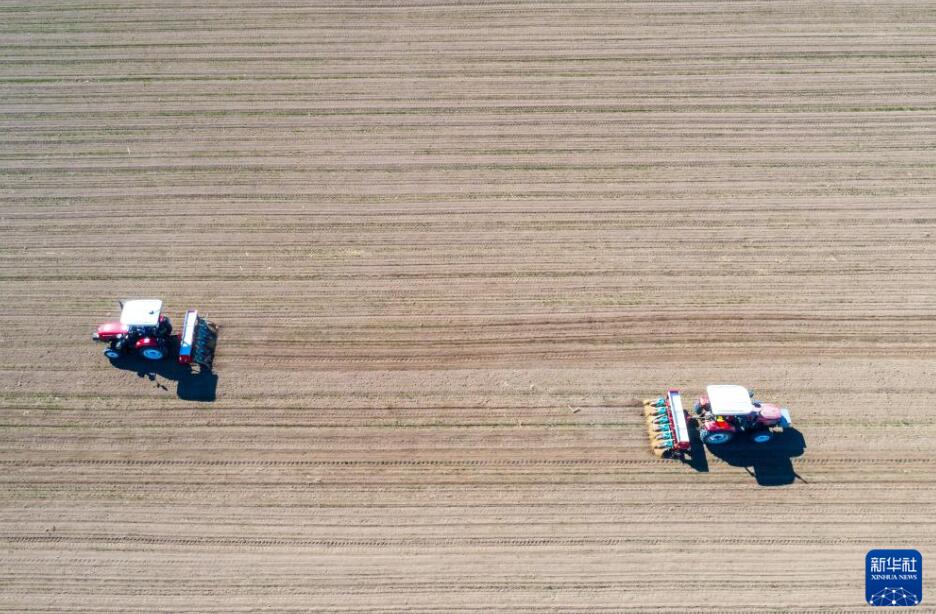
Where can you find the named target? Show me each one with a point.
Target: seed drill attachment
(666, 425)
(198, 340)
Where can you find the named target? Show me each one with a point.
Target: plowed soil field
(449, 247)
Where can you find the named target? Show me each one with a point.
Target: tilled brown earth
(449, 247)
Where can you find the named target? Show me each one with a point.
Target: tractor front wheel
(715, 438)
(152, 353)
(112, 353)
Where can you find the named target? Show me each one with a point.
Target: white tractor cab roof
(728, 400)
(141, 312)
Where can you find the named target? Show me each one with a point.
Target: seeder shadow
(696, 458)
(769, 463)
(190, 386)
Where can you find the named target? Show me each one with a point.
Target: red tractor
(145, 331)
(723, 412)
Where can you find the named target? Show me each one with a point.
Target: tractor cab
(144, 317)
(729, 400)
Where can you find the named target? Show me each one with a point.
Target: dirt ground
(448, 247)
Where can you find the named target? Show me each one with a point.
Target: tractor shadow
(771, 463)
(190, 386)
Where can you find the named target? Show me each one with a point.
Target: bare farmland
(449, 245)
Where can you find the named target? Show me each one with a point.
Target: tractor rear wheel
(152, 353)
(715, 438)
(762, 437)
